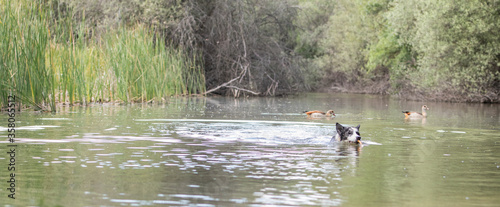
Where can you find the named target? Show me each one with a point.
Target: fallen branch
(242, 74)
(223, 85)
(242, 89)
(227, 86)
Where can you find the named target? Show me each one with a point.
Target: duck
(320, 114)
(412, 114)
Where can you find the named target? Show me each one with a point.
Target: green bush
(444, 50)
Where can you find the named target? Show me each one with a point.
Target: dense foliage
(415, 49)
(425, 49)
(246, 45)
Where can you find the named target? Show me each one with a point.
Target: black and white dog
(347, 134)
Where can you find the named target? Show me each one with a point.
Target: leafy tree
(456, 45)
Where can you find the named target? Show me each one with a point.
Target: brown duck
(319, 114)
(412, 114)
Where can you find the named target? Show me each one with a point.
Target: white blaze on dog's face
(350, 134)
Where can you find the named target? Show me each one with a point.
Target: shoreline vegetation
(68, 51)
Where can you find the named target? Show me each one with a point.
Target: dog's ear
(359, 125)
(340, 128)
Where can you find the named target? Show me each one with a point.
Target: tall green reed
(7, 27)
(25, 37)
(147, 69)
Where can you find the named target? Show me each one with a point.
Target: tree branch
(242, 89)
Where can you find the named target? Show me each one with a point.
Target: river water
(220, 151)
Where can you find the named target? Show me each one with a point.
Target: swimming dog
(347, 134)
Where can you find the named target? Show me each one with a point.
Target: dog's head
(350, 134)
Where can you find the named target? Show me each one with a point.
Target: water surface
(221, 151)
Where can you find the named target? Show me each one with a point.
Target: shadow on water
(225, 151)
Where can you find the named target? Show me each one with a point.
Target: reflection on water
(222, 152)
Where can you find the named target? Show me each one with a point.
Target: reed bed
(146, 69)
(68, 66)
(24, 38)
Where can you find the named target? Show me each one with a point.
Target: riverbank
(68, 51)
(382, 85)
